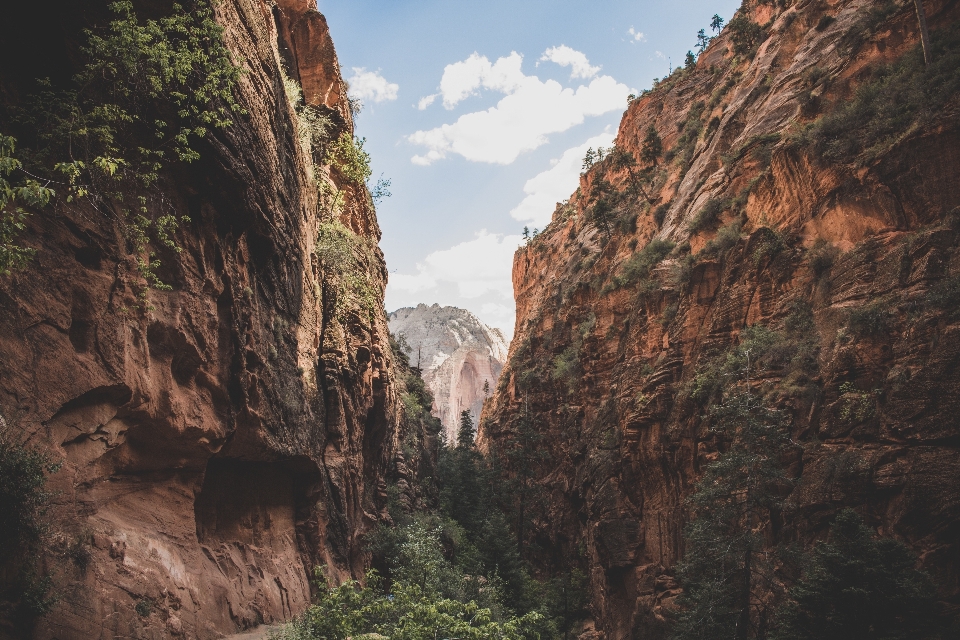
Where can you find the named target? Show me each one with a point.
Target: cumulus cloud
(426, 101)
(462, 79)
(521, 120)
(636, 36)
(370, 85)
(567, 57)
(555, 184)
(476, 267)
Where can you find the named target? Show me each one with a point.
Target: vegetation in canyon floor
(452, 568)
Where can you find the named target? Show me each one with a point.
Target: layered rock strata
(605, 362)
(460, 358)
(229, 435)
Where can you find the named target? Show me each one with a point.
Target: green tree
(12, 215)
(857, 586)
(623, 159)
(652, 147)
(467, 434)
(716, 23)
(727, 571)
(24, 501)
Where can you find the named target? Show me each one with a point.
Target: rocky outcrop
(859, 256)
(460, 358)
(229, 435)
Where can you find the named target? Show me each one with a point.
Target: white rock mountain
(457, 353)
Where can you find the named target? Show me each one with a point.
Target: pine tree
(652, 147)
(859, 586)
(716, 23)
(727, 571)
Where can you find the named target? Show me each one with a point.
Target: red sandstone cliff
(220, 443)
(604, 363)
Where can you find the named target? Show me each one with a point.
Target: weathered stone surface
(220, 443)
(623, 446)
(457, 353)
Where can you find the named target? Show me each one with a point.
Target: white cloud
(660, 55)
(637, 36)
(567, 57)
(476, 266)
(521, 120)
(549, 187)
(426, 101)
(370, 85)
(462, 79)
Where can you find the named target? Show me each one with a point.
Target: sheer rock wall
(623, 448)
(233, 435)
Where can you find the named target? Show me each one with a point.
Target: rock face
(608, 361)
(457, 354)
(220, 443)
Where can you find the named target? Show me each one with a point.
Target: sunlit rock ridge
(457, 353)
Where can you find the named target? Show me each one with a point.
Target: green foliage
(566, 365)
(404, 612)
(727, 237)
(637, 268)
(146, 92)
(467, 433)
(687, 142)
(759, 146)
(791, 353)
(746, 35)
(708, 215)
(12, 216)
(348, 157)
(945, 296)
(313, 126)
(857, 406)
(660, 214)
(899, 100)
(652, 147)
(821, 256)
(869, 320)
(856, 585)
(770, 243)
(727, 569)
(24, 501)
(345, 260)
(143, 607)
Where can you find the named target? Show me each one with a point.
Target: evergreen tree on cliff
(859, 586)
(727, 571)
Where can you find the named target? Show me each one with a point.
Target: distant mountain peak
(457, 352)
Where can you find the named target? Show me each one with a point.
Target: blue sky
(479, 113)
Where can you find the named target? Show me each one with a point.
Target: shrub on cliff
(857, 585)
(14, 193)
(898, 101)
(745, 34)
(24, 500)
(638, 267)
(145, 93)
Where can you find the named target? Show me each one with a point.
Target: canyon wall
(220, 439)
(460, 358)
(852, 251)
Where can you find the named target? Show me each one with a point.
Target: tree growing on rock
(728, 570)
(652, 147)
(856, 585)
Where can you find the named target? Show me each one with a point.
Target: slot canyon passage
(741, 330)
